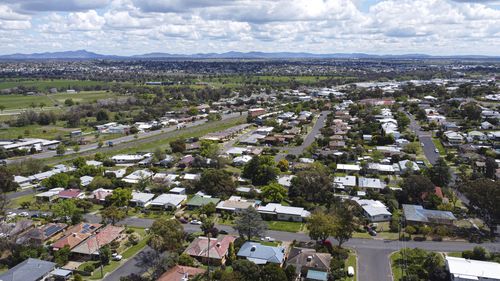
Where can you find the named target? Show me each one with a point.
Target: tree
(283, 165)
(344, 224)
(166, 235)
(208, 227)
(414, 186)
(471, 111)
(320, 225)
(57, 180)
(272, 272)
(2, 108)
(217, 182)
(101, 182)
(439, 173)
(105, 254)
(483, 194)
(65, 209)
(112, 214)
(178, 146)
(261, 170)
(61, 149)
(491, 168)
(274, 192)
(209, 149)
(76, 148)
(231, 254)
(208, 209)
(120, 197)
(314, 185)
(102, 115)
(249, 271)
(7, 182)
(69, 102)
(250, 224)
(61, 256)
(290, 273)
(84, 204)
(186, 260)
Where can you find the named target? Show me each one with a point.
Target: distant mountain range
(86, 55)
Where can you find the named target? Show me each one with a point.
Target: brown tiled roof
(76, 234)
(218, 246)
(178, 272)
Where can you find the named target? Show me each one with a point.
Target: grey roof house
(262, 254)
(417, 214)
(29, 270)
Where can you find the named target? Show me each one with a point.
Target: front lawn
(286, 226)
(351, 261)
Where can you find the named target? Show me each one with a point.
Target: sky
(128, 27)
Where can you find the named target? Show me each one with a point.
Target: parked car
(350, 271)
(223, 232)
(267, 238)
(183, 220)
(116, 257)
(196, 222)
(24, 214)
(372, 232)
(436, 150)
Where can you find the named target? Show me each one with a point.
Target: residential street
(308, 140)
(126, 141)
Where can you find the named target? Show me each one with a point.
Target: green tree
(102, 115)
(7, 182)
(321, 226)
(120, 197)
(2, 108)
(231, 254)
(261, 170)
(207, 226)
(83, 204)
(57, 180)
(250, 224)
(344, 223)
(65, 209)
(217, 182)
(112, 214)
(248, 270)
(483, 194)
(491, 168)
(178, 146)
(274, 192)
(61, 256)
(272, 272)
(105, 254)
(208, 209)
(69, 102)
(166, 235)
(209, 149)
(283, 165)
(413, 187)
(439, 173)
(186, 260)
(314, 185)
(61, 149)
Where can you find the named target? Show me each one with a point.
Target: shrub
(89, 267)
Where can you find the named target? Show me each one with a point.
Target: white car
(436, 150)
(196, 222)
(267, 238)
(24, 214)
(117, 257)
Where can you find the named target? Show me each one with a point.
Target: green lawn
(34, 131)
(52, 100)
(454, 254)
(16, 202)
(43, 85)
(285, 226)
(396, 270)
(351, 261)
(439, 146)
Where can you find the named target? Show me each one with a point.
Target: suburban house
(283, 213)
(99, 195)
(71, 193)
(13, 229)
(261, 254)
(235, 204)
(417, 214)
(137, 176)
(344, 182)
(309, 263)
(86, 180)
(198, 201)
(181, 273)
(168, 201)
(141, 199)
(348, 168)
(41, 234)
(465, 269)
(374, 210)
(75, 235)
(213, 250)
(374, 184)
(49, 196)
(127, 158)
(29, 270)
(93, 244)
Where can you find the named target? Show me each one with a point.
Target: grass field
(16, 202)
(439, 146)
(51, 100)
(285, 226)
(34, 131)
(396, 270)
(44, 85)
(351, 261)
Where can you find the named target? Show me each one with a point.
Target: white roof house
(348, 167)
(372, 183)
(374, 210)
(127, 158)
(242, 160)
(464, 269)
(168, 201)
(86, 180)
(93, 163)
(402, 165)
(382, 168)
(141, 198)
(138, 175)
(346, 181)
(284, 212)
(286, 180)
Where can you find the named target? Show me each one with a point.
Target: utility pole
(208, 256)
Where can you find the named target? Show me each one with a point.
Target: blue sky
(125, 27)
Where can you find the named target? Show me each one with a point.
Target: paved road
(127, 141)
(17, 194)
(308, 140)
(426, 138)
(133, 265)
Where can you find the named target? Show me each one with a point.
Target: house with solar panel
(416, 214)
(39, 235)
(76, 235)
